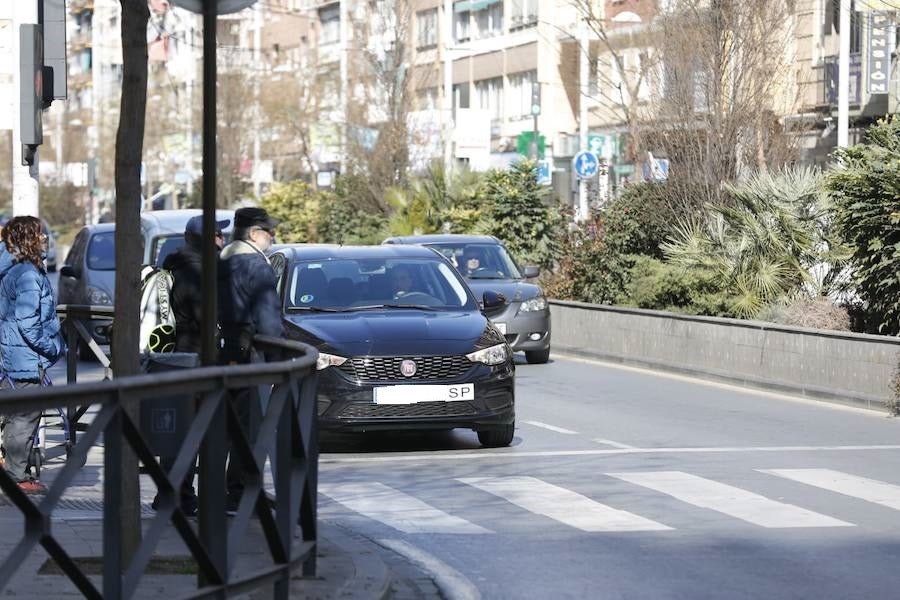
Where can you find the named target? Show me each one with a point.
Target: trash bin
(165, 420)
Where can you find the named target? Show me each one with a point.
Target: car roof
(173, 221)
(442, 238)
(100, 227)
(303, 252)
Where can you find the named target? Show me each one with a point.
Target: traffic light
(42, 72)
(535, 98)
(31, 89)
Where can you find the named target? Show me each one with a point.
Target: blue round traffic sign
(585, 165)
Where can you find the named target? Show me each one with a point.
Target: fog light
(536, 336)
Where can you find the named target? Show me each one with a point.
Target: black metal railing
(287, 436)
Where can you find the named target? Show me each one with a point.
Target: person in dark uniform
(186, 297)
(248, 305)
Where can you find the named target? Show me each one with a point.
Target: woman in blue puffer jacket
(30, 337)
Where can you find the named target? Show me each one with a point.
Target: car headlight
(329, 360)
(534, 304)
(97, 297)
(494, 355)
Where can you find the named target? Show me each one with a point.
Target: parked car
(486, 264)
(50, 261)
(403, 344)
(88, 275)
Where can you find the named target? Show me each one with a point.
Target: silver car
(487, 266)
(88, 275)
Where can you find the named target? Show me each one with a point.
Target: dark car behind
(525, 319)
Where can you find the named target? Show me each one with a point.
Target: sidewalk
(348, 565)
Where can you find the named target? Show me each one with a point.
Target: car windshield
(480, 261)
(347, 284)
(101, 252)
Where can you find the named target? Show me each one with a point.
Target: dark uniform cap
(195, 225)
(253, 216)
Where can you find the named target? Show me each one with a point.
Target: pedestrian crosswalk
(667, 495)
(562, 505)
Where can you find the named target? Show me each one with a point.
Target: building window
(520, 86)
(489, 20)
(461, 27)
(427, 21)
(460, 97)
(331, 25)
(489, 96)
(523, 13)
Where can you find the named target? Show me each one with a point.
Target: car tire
(537, 357)
(497, 437)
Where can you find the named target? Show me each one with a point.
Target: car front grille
(387, 368)
(419, 409)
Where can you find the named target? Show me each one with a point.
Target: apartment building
(637, 78)
(874, 82)
(499, 52)
(80, 133)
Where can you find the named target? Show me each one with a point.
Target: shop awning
(473, 5)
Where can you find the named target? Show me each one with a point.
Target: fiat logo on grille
(408, 368)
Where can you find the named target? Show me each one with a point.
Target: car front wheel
(537, 357)
(497, 436)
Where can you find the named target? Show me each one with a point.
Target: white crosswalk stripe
(562, 505)
(878, 492)
(405, 512)
(396, 509)
(729, 500)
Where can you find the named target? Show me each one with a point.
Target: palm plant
(770, 242)
(435, 201)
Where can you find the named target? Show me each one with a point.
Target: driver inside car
(401, 281)
(473, 261)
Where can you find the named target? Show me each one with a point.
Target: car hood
(389, 332)
(514, 290)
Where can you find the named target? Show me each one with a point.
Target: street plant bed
(159, 565)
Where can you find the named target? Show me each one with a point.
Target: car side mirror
(68, 271)
(492, 299)
(531, 271)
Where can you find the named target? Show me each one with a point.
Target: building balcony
(829, 77)
(81, 40)
(79, 6)
(80, 80)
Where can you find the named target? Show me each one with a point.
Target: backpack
(157, 332)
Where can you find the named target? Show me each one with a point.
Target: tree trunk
(129, 150)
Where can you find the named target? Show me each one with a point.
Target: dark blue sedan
(403, 344)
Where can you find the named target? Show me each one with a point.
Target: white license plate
(501, 327)
(410, 394)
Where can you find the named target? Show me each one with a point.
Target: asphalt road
(622, 483)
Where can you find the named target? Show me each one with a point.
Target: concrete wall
(845, 367)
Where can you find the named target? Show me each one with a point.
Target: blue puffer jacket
(30, 337)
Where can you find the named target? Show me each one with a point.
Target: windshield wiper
(393, 305)
(313, 309)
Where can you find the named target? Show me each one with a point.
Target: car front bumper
(347, 405)
(523, 330)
